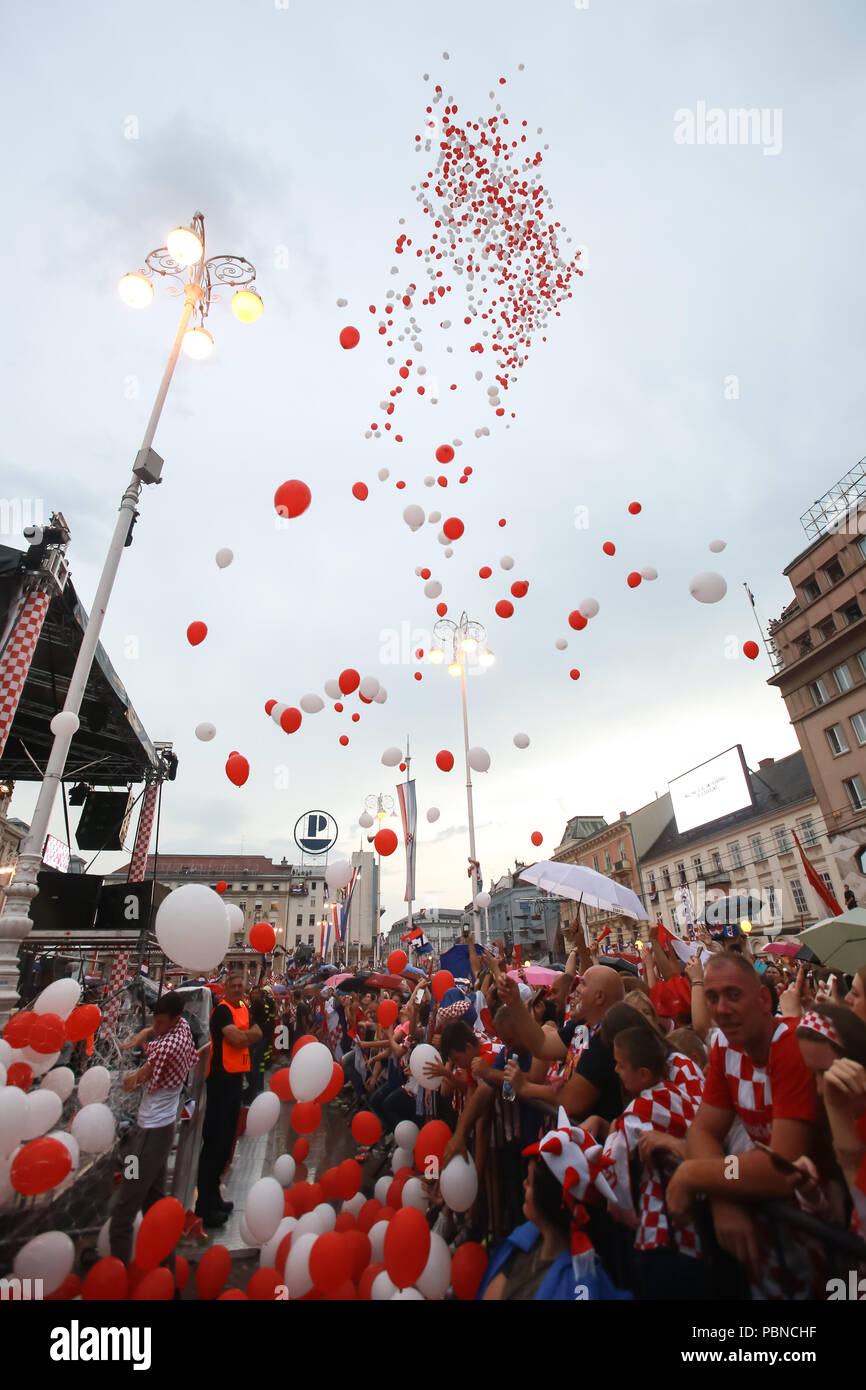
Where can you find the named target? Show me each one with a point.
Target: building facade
(520, 914)
(442, 926)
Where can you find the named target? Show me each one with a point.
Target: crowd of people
(698, 1125)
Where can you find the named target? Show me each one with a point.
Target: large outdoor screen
(713, 789)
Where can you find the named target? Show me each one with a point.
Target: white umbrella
(578, 882)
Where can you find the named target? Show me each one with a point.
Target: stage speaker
(124, 906)
(65, 902)
(104, 820)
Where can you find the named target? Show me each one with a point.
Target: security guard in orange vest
(231, 1039)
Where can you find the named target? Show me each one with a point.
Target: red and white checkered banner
(16, 660)
(137, 868)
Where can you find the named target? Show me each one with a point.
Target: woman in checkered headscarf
(833, 1046)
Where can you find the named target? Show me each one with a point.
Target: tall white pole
(409, 903)
(476, 886)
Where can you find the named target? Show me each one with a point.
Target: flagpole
(406, 784)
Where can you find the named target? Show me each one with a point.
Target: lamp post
(182, 260)
(458, 640)
(377, 806)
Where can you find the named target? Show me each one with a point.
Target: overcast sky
(293, 130)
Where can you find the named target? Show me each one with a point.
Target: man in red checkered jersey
(756, 1075)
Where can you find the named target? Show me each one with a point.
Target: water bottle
(507, 1091)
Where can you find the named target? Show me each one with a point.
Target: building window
(312, 921)
(858, 724)
(595, 862)
(297, 941)
(299, 922)
(243, 907)
(808, 829)
(736, 855)
(818, 691)
(811, 591)
(856, 793)
(699, 866)
(275, 887)
(756, 845)
(717, 861)
(312, 885)
(258, 910)
(833, 572)
(851, 613)
(826, 628)
(244, 887)
(843, 678)
(783, 844)
(836, 739)
(861, 546)
(607, 864)
(666, 878)
(681, 871)
(861, 659)
(275, 907)
(772, 902)
(310, 939)
(796, 887)
(652, 882)
(828, 883)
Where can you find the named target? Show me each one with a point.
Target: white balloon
(413, 1194)
(268, 1257)
(407, 1296)
(435, 517)
(649, 572)
(381, 1287)
(717, 546)
(205, 732)
(312, 703)
(708, 587)
(94, 1085)
(418, 1059)
(39, 1062)
(458, 1183)
(64, 725)
(278, 711)
(521, 740)
(2, 1075)
(482, 899)
(354, 1204)
(380, 1191)
(429, 481)
(442, 538)
(377, 1233)
(432, 588)
(433, 814)
(43, 1110)
(235, 916)
(224, 557)
(588, 607)
(48, 1257)
(284, 1170)
(246, 1235)
(296, 1276)
(71, 1143)
(93, 1128)
(310, 1071)
(332, 690)
(264, 1205)
(369, 687)
(337, 875)
(381, 697)
(263, 1115)
(560, 644)
(448, 552)
(383, 474)
(192, 928)
(365, 820)
(436, 1276)
(401, 1158)
(5, 1052)
(406, 1133)
(413, 515)
(60, 998)
(391, 757)
(506, 562)
(13, 1118)
(309, 1223)
(7, 1191)
(61, 1080)
(327, 1217)
(479, 759)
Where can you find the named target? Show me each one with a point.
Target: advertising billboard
(711, 790)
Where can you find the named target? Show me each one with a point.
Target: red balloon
(577, 620)
(155, 1287)
(17, 1030)
(504, 608)
(502, 521)
(269, 705)
(385, 841)
(444, 760)
(442, 981)
(574, 673)
(444, 454)
(300, 1149)
(359, 1252)
(467, 1269)
(387, 1013)
(196, 633)
(430, 1145)
(284, 1247)
(395, 1190)
(237, 769)
(69, 1289)
(292, 498)
(39, 1165)
(214, 1268)
(159, 1232)
(397, 962)
(233, 1296)
(334, 1086)
(536, 837)
(633, 579)
(366, 1128)
(609, 548)
(360, 491)
(263, 937)
(20, 1074)
(344, 739)
(330, 1261)
(453, 528)
(634, 508)
(306, 1116)
(302, 1042)
(290, 720)
(349, 337)
(263, 1284)
(365, 1283)
(222, 885)
(407, 1246)
(442, 609)
(348, 680)
(369, 1213)
(520, 588)
(485, 572)
(750, 649)
(108, 1280)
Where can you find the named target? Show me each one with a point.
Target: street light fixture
(182, 259)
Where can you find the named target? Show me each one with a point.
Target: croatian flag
(418, 939)
(409, 813)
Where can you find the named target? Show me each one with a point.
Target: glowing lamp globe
(247, 306)
(454, 668)
(487, 658)
(136, 290)
(184, 246)
(197, 343)
(436, 655)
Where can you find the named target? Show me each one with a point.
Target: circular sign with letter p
(315, 832)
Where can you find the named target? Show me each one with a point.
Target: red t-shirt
(781, 1090)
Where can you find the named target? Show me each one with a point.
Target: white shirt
(159, 1108)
